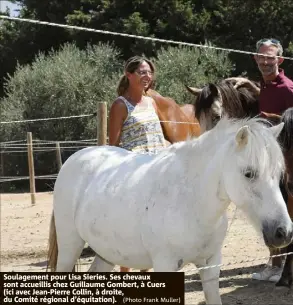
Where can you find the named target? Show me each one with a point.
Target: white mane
(262, 148)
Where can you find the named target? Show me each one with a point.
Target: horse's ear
(277, 129)
(214, 90)
(242, 137)
(194, 91)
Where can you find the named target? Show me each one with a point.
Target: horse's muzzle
(277, 236)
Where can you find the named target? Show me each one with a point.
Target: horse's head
(254, 164)
(228, 97)
(207, 106)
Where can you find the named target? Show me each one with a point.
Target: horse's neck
(172, 117)
(202, 163)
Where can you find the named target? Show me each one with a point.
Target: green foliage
(66, 82)
(180, 66)
(234, 24)
(164, 19)
(63, 83)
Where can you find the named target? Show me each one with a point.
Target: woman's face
(141, 77)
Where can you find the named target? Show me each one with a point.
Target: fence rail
(32, 146)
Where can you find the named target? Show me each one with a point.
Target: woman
(133, 121)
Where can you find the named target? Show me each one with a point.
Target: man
(276, 95)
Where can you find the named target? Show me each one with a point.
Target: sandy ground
(24, 233)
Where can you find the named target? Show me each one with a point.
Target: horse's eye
(216, 118)
(250, 174)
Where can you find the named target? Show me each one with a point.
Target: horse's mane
(204, 100)
(263, 148)
(286, 135)
(237, 103)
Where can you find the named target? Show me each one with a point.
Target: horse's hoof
(282, 289)
(282, 284)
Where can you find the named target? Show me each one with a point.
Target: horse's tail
(53, 246)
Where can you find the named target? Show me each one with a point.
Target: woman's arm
(117, 116)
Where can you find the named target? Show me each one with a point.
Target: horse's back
(86, 164)
(94, 194)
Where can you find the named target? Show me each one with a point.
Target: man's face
(266, 60)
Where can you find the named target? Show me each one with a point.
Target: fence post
(31, 167)
(58, 156)
(102, 123)
(2, 163)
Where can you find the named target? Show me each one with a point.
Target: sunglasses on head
(268, 40)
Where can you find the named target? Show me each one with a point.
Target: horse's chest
(206, 245)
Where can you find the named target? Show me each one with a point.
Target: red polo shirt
(276, 96)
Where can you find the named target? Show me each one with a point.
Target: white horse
(167, 210)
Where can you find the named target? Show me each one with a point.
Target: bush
(179, 66)
(63, 83)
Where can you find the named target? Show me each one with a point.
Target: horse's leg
(210, 279)
(70, 246)
(276, 261)
(286, 279)
(100, 265)
(65, 245)
(290, 265)
(68, 255)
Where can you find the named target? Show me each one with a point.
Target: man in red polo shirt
(276, 96)
(276, 93)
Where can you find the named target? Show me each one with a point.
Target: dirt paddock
(24, 233)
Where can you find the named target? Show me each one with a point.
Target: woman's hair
(130, 66)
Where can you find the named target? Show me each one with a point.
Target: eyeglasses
(267, 41)
(144, 72)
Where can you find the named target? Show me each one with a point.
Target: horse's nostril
(280, 233)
